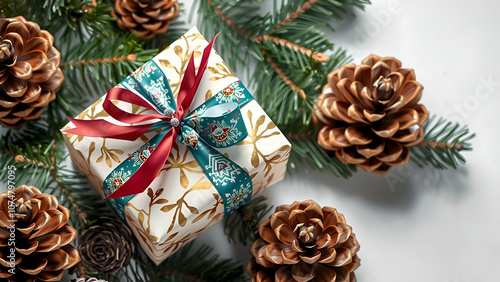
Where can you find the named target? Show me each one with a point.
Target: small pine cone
(107, 246)
(145, 18)
(41, 235)
(304, 242)
(370, 114)
(29, 71)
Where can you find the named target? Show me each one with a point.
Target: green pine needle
(187, 264)
(241, 225)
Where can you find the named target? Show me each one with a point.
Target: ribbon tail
(231, 181)
(105, 129)
(190, 85)
(145, 175)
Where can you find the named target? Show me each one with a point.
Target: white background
(433, 226)
(418, 224)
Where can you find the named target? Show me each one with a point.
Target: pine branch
(283, 76)
(35, 172)
(85, 66)
(442, 145)
(39, 162)
(301, 10)
(302, 21)
(318, 56)
(314, 12)
(291, 105)
(242, 224)
(235, 44)
(63, 188)
(227, 20)
(280, 58)
(114, 60)
(187, 264)
(63, 17)
(307, 155)
(175, 30)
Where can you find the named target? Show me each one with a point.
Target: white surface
(431, 226)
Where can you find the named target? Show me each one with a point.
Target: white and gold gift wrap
(181, 202)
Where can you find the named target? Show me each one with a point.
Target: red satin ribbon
(141, 179)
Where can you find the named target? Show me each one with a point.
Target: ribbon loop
(220, 126)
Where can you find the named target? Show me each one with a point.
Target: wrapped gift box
(181, 202)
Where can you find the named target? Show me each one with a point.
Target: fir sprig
(71, 19)
(292, 14)
(102, 62)
(175, 30)
(186, 265)
(40, 163)
(241, 225)
(442, 145)
(309, 156)
(294, 79)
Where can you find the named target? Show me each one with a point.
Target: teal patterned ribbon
(217, 123)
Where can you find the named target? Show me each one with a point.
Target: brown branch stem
(442, 145)
(306, 6)
(22, 159)
(227, 20)
(318, 56)
(100, 61)
(283, 76)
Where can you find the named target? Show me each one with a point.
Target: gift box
(223, 147)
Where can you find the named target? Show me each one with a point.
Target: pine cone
(145, 18)
(370, 114)
(41, 236)
(29, 71)
(106, 246)
(304, 242)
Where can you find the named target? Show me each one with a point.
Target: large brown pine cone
(370, 114)
(304, 242)
(41, 236)
(107, 246)
(29, 71)
(145, 18)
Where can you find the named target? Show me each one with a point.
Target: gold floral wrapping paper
(181, 202)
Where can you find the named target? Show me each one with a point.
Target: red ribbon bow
(140, 180)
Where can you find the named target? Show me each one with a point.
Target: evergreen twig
(301, 10)
(242, 224)
(62, 186)
(283, 76)
(114, 60)
(187, 264)
(318, 56)
(43, 160)
(442, 145)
